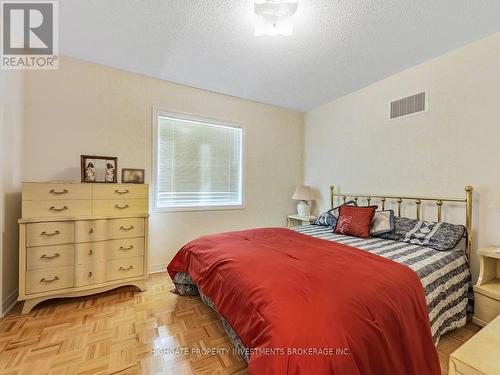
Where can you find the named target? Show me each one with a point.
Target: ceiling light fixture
(274, 17)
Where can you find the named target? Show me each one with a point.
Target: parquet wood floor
(125, 331)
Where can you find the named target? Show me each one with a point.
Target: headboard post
(331, 196)
(468, 219)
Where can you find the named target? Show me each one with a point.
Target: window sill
(197, 208)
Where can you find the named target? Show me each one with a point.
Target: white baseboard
(157, 268)
(9, 302)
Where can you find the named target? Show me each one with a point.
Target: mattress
(444, 275)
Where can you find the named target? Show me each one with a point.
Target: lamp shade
(302, 193)
(496, 201)
(274, 17)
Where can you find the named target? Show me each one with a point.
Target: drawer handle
(125, 269)
(91, 252)
(56, 255)
(126, 191)
(91, 230)
(89, 274)
(130, 227)
(44, 280)
(54, 233)
(55, 192)
(126, 248)
(121, 206)
(63, 208)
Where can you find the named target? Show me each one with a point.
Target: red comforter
(303, 305)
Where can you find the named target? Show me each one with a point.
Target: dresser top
(81, 183)
(481, 350)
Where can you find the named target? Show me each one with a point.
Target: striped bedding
(445, 277)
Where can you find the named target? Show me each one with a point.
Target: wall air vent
(409, 105)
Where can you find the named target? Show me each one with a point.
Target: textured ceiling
(338, 46)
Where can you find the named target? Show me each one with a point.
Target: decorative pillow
(355, 221)
(382, 222)
(329, 218)
(438, 236)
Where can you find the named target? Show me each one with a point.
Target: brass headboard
(418, 201)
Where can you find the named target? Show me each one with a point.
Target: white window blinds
(198, 164)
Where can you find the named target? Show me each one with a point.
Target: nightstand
(295, 220)
(487, 288)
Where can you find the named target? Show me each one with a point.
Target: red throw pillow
(355, 221)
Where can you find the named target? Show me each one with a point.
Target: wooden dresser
(78, 239)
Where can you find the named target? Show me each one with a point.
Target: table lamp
(303, 195)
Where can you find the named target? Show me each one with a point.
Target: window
(198, 164)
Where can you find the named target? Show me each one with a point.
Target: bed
(443, 276)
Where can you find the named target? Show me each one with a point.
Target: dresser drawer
(125, 228)
(121, 191)
(120, 207)
(52, 233)
(91, 230)
(49, 256)
(48, 279)
(33, 191)
(125, 248)
(485, 308)
(124, 268)
(57, 208)
(90, 252)
(88, 274)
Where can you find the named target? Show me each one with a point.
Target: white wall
(85, 108)
(11, 121)
(350, 142)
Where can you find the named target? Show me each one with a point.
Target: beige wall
(351, 142)
(11, 121)
(90, 109)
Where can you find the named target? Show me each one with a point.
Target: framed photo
(96, 169)
(132, 176)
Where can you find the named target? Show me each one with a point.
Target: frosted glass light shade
(274, 17)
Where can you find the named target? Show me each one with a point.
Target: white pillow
(382, 222)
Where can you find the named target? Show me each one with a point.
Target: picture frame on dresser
(133, 176)
(98, 169)
(79, 239)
